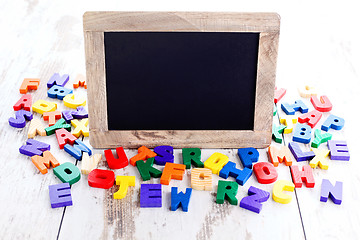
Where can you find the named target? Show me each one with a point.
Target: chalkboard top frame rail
(96, 23)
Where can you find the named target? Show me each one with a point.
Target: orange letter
(172, 171)
(280, 155)
(143, 154)
(43, 163)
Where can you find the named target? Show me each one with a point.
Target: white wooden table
(319, 44)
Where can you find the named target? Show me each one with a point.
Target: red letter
(265, 172)
(116, 163)
(312, 118)
(279, 93)
(324, 105)
(99, 178)
(64, 137)
(24, 102)
(302, 176)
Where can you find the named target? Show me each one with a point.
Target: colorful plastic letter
(290, 109)
(172, 171)
(289, 122)
(34, 147)
(58, 92)
(73, 102)
(20, 119)
(80, 81)
(230, 169)
(51, 117)
(305, 175)
(23, 103)
(276, 133)
(41, 106)
(89, 163)
(265, 172)
(320, 138)
(124, 182)
(164, 155)
(99, 178)
(320, 159)
(192, 156)
(312, 118)
(201, 179)
(143, 154)
(180, 199)
(67, 115)
(80, 113)
(81, 127)
(43, 163)
(307, 91)
(77, 149)
(302, 133)
(254, 200)
(333, 122)
(279, 93)
(56, 79)
(322, 105)
(248, 156)
(338, 150)
(67, 172)
(227, 190)
(60, 195)
(216, 162)
(280, 155)
(275, 110)
(116, 163)
(64, 137)
(279, 187)
(58, 125)
(150, 195)
(335, 192)
(29, 84)
(298, 154)
(147, 170)
(36, 127)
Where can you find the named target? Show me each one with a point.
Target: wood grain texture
(341, 217)
(124, 219)
(96, 23)
(178, 139)
(96, 77)
(44, 37)
(181, 21)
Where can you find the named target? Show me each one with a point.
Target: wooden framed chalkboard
(185, 79)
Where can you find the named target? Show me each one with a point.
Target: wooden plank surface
(124, 219)
(31, 48)
(43, 37)
(327, 217)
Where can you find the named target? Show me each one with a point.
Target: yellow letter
(216, 162)
(124, 182)
(320, 159)
(71, 102)
(41, 106)
(279, 187)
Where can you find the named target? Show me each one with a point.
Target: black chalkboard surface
(181, 80)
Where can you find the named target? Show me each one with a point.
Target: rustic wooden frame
(96, 23)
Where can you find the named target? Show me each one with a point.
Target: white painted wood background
(319, 44)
